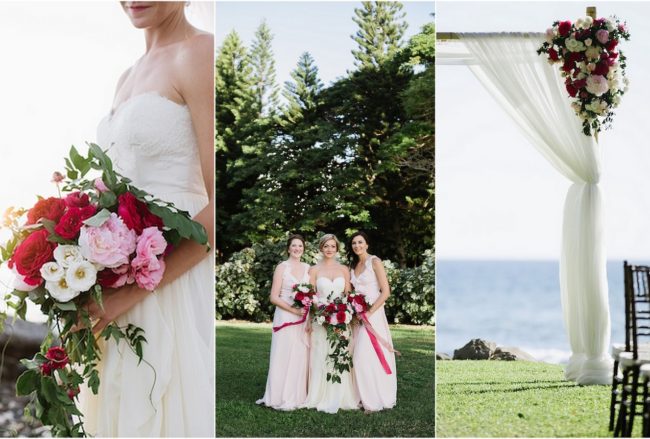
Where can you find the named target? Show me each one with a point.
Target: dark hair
(291, 238)
(353, 259)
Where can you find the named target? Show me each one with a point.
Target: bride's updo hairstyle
(299, 238)
(328, 237)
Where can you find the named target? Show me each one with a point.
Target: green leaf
(107, 199)
(93, 381)
(49, 389)
(98, 219)
(96, 294)
(27, 382)
(66, 306)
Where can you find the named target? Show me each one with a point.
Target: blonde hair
(328, 237)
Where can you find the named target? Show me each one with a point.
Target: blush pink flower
(149, 279)
(108, 245)
(597, 85)
(100, 186)
(602, 35)
(150, 244)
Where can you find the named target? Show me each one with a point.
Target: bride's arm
(346, 276)
(196, 85)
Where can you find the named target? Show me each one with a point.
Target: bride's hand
(116, 302)
(298, 312)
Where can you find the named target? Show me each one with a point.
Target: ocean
(513, 303)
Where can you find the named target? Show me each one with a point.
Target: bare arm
(346, 276)
(196, 85)
(382, 279)
(275, 291)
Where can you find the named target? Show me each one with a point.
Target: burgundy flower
(340, 316)
(564, 28)
(77, 199)
(136, 214)
(552, 53)
(46, 369)
(601, 69)
(57, 356)
(611, 45)
(573, 91)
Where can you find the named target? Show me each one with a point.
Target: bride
(160, 135)
(330, 277)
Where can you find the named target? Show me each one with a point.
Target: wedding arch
(533, 93)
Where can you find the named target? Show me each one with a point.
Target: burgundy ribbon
(302, 320)
(376, 339)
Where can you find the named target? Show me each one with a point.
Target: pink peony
(109, 245)
(602, 35)
(149, 279)
(597, 85)
(149, 246)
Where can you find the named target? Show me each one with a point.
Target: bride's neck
(174, 28)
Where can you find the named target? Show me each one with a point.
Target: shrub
(244, 282)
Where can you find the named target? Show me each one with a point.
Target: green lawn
(515, 399)
(242, 362)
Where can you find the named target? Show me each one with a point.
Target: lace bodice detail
(151, 140)
(366, 283)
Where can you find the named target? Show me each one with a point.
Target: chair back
(637, 306)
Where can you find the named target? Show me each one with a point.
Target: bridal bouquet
(336, 314)
(104, 233)
(592, 65)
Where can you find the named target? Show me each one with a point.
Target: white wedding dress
(322, 395)
(151, 141)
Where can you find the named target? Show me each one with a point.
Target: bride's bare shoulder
(195, 50)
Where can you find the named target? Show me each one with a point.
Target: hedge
(243, 284)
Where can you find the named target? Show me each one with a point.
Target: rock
(511, 354)
(442, 356)
(475, 349)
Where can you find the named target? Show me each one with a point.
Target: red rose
(135, 213)
(340, 316)
(51, 208)
(342, 307)
(552, 53)
(331, 308)
(77, 199)
(300, 296)
(568, 65)
(57, 356)
(577, 56)
(360, 299)
(72, 220)
(30, 255)
(601, 69)
(564, 28)
(46, 368)
(599, 22)
(580, 83)
(572, 90)
(611, 45)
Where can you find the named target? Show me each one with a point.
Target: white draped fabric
(532, 92)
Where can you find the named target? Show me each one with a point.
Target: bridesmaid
(377, 382)
(286, 384)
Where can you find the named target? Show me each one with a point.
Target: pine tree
(234, 117)
(266, 89)
(381, 28)
(302, 93)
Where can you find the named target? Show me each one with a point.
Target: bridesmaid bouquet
(303, 297)
(336, 314)
(104, 233)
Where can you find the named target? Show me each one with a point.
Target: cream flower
(574, 45)
(81, 276)
(60, 290)
(52, 271)
(67, 254)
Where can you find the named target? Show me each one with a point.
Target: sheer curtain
(532, 93)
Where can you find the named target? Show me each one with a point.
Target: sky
(321, 28)
(60, 65)
(497, 198)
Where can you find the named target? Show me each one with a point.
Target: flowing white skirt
(174, 396)
(325, 396)
(286, 384)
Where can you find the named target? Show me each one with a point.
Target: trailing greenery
(516, 399)
(242, 364)
(243, 284)
(355, 154)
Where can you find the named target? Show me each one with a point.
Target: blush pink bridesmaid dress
(377, 389)
(286, 384)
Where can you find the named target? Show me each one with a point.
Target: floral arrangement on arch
(592, 65)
